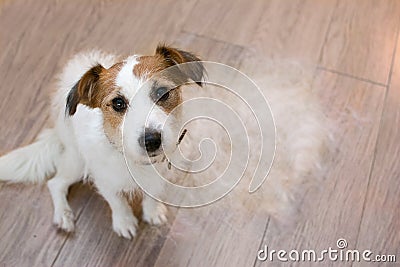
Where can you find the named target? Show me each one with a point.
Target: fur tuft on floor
(302, 141)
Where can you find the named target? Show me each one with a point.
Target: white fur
(142, 114)
(19, 165)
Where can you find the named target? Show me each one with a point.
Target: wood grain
(380, 222)
(225, 21)
(222, 234)
(210, 50)
(28, 236)
(102, 247)
(334, 210)
(292, 29)
(358, 47)
(276, 28)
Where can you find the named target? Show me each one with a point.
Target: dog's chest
(103, 162)
(111, 170)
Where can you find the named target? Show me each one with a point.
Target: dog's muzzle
(150, 141)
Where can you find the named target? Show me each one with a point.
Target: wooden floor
(353, 43)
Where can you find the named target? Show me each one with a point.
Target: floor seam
(351, 76)
(213, 39)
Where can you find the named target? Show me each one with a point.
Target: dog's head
(140, 100)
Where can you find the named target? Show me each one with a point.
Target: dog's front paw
(64, 220)
(156, 215)
(125, 226)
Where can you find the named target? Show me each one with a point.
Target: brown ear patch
(165, 57)
(173, 56)
(85, 90)
(94, 86)
(72, 100)
(97, 89)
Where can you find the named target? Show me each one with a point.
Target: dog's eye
(162, 94)
(119, 104)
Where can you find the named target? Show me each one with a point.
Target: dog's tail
(33, 163)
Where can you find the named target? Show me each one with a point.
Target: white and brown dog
(93, 104)
(109, 114)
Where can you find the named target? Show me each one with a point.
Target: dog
(111, 115)
(98, 126)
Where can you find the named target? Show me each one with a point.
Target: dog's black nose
(151, 140)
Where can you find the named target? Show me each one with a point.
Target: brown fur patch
(93, 88)
(174, 99)
(148, 65)
(108, 91)
(107, 85)
(152, 67)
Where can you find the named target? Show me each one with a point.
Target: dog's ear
(84, 91)
(174, 56)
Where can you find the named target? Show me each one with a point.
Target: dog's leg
(154, 212)
(123, 220)
(69, 171)
(63, 215)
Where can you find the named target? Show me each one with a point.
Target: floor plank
(28, 236)
(260, 26)
(221, 234)
(209, 49)
(283, 26)
(227, 22)
(105, 248)
(334, 210)
(358, 47)
(380, 222)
